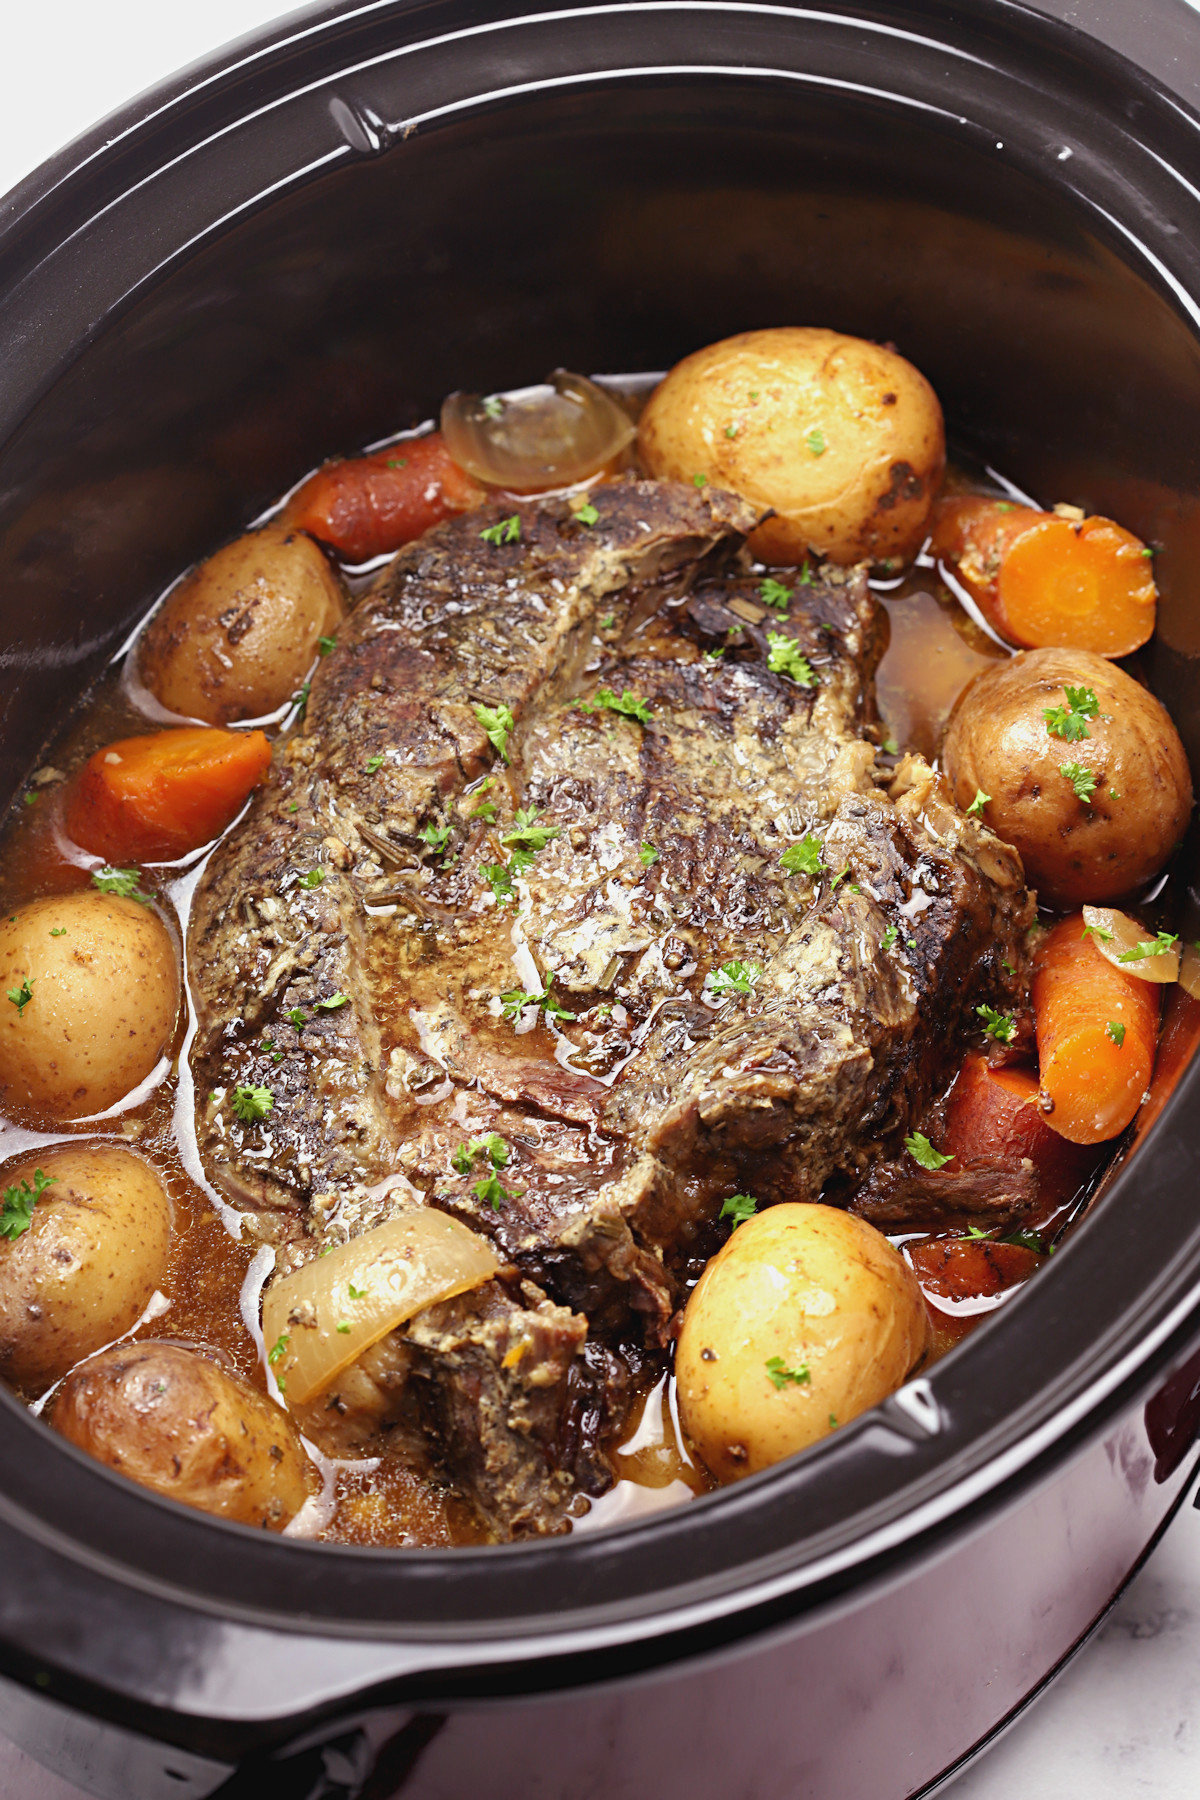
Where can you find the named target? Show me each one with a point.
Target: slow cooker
(298, 247)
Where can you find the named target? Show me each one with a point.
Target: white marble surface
(1124, 1721)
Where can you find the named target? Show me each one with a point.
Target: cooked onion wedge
(317, 1321)
(1129, 946)
(539, 438)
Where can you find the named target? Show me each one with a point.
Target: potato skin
(239, 635)
(86, 1268)
(168, 1418)
(105, 999)
(1073, 852)
(743, 412)
(820, 1289)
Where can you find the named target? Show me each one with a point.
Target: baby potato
(83, 1270)
(89, 995)
(1094, 813)
(842, 439)
(173, 1420)
(805, 1319)
(238, 636)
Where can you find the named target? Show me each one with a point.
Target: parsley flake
(734, 978)
(1098, 932)
(975, 810)
(803, 858)
(1081, 779)
(1002, 1027)
(334, 1002)
(499, 878)
(923, 1152)
(627, 705)
(504, 531)
(1164, 942)
(1116, 1031)
(1069, 721)
(775, 593)
(497, 722)
(493, 406)
(525, 832)
(19, 1203)
(815, 442)
(491, 1190)
(515, 1000)
(356, 1293)
(784, 658)
(122, 882)
(779, 1375)
(373, 764)
(326, 644)
(492, 1146)
(889, 746)
(297, 1017)
(585, 514)
(252, 1103)
(739, 1208)
(278, 1350)
(648, 856)
(58, 931)
(21, 996)
(699, 481)
(436, 836)
(890, 936)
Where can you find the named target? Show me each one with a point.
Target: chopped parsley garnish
(803, 858)
(731, 431)
(1164, 942)
(923, 1152)
(784, 658)
(395, 462)
(499, 878)
(734, 978)
(889, 746)
(493, 406)
(492, 1146)
(58, 931)
(780, 1376)
(1029, 1240)
(1098, 932)
(313, 879)
(344, 1326)
(21, 996)
(297, 1016)
(326, 644)
(699, 481)
(30, 799)
(1000, 1026)
(486, 810)
(122, 882)
(816, 443)
(252, 1103)
(774, 593)
(300, 697)
(436, 836)
(278, 1350)
(739, 1208)
(585, 514)
(627, 705)
(504, 531)
(515, 1000)
(497, 722)
(648, 856)
(890, 936)
(492, 1192)
(975, 810)
(19, 1203)
(356, 1293)
(525, 832)
(334, 1002)
(1081, 779)
(1116, 1031)
(608, 621)
(374, 763)
(1069, 722)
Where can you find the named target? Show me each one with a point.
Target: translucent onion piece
(1189, 971)
(372, 1284)
(1115, 934)
(536, 438)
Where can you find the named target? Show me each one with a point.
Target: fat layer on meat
(698, 1017)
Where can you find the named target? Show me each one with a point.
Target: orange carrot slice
(371, 505)
(992, 1114)
(1097, 1028)
(154, 798)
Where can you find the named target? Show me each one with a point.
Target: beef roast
(521, 870)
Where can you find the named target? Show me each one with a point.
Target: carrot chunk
(154, 798)
(992, 1115)
(1096, 1030)
(963, 1268)
(1045, 580)
(371, 505)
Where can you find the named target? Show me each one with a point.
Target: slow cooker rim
(40, 188)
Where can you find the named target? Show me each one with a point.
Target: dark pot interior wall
(602, 228)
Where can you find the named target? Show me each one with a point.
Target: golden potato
(843, 439)
(805, 1319)
(238, 636)
(1079, 842)
(84, 1269)
(180, 1424)
(89, 996)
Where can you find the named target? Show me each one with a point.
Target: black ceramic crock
(297, 248)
